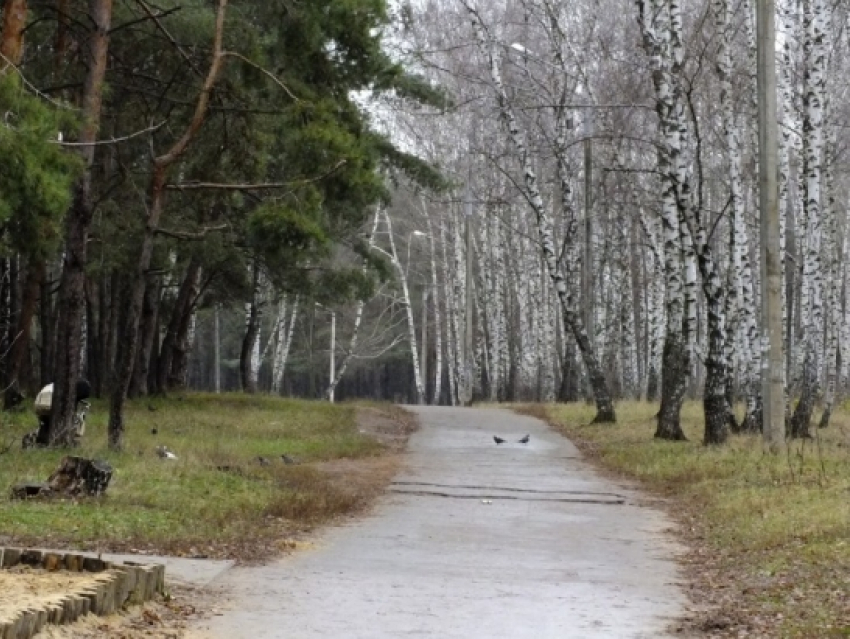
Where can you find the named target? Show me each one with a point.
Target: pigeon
(525, 439)
(263, 461)
(151, 408)
(154, 431)
(289, 460)
(498, 440)
(164, 453)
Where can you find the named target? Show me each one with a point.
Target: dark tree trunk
(568, 391)
(123, 371)
(175, 343)
(13, 309)
(652, 384)
(802, 417)
(115, 302)
(159, 174)
(72, 304)
(95, 344)
(596, 378)
(48, 332)
(715, 407)
(20, 347)
(148, 331)
(78, 221)
(179, 374)
(5, 318)
(674, 383)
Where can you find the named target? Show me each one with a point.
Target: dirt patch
(364, 479)
(391, 426)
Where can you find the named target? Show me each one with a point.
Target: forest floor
(229, 494)
(770, 553)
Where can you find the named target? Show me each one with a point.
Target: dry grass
(770, 534)
(217, 499)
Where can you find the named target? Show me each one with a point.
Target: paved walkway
(474, 540)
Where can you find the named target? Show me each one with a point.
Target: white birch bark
(285, 330)
(411, 325)
(832, 282)
(605, 408)
(438, 323)
(661, 25)
(451, 318)
(742, 336)
(339, 371)
(815, 49)
(655, 307)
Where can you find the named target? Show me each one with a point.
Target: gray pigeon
(498, 440)
(525, 439)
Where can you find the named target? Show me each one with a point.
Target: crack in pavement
(566, 500)
(508, 490)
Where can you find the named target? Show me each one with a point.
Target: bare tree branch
(112, 140)
(266, 72)
(188, 186)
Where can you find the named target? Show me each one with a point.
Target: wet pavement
(473, 540)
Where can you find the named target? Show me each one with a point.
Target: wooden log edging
(116, 586)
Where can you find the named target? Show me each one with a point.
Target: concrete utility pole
(587, 271)
(467, 333)
(217, 348)
(333, 357)
(423, 363)
(773, 378)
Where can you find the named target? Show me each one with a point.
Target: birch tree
(488, 47)
(815, 48)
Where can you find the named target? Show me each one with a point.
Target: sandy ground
(22, 586)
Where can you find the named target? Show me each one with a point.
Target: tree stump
(77, 475)
(32, 489)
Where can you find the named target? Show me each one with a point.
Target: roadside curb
(116, 585)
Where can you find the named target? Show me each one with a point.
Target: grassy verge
(217, 499)
(769, 536)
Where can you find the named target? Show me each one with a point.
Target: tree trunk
(48, 332)
(148, 331)
(599, 385)
(12, 38)
(715, 407)
(411, 327)
(72, 288)
(247, 375)
(284, 342)
(438, 323)
(174, 346)
(20, 346)
(161, 165)
(674, 384)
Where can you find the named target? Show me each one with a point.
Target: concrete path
(474, 540)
